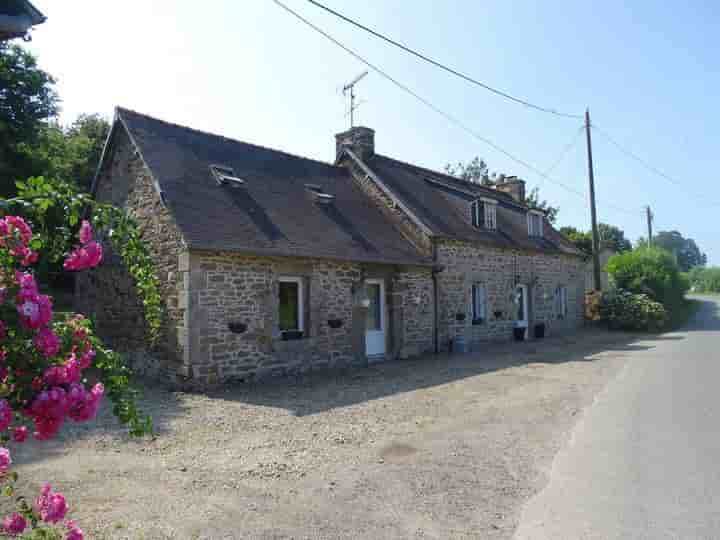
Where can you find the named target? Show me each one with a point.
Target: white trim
(301, 302)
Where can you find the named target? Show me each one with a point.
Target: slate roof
(442, 202)
(273, 212)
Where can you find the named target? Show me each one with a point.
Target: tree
(685, 251)
(533, 201)
(581, 239)
(611, 237)
(476, 171)
(27, 101)
(69, 154)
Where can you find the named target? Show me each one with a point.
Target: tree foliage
(705, 280)
(611, 237)
(476, 171)
(651, 271)
(685, 250)
(27, 100)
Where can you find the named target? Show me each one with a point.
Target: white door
(375, 320)
(523, 318)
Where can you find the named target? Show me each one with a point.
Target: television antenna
(351, 88)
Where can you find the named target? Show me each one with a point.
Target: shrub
(650, 271)
(705, 280)
(624, 310)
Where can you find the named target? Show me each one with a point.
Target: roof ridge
(120, 109)
(449, 177)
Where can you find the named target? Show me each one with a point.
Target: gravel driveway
(437, 447)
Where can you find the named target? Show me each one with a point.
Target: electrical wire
(565, 150)
(651, 167)
(452, 119)
(438, 64)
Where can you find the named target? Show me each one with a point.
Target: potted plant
(335, 323)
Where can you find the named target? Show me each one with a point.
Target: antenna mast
(351, 87)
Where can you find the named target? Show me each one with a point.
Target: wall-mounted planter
(237, 327)
(292, 335)
(335, 323)
(478, 321)
(460, 317)
(498, 314)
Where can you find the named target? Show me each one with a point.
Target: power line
(439, 111)
(437, 64)
(565, 150)
(651, 167)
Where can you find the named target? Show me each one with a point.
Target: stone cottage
(272, 263)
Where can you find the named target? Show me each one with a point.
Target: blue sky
(248, 70)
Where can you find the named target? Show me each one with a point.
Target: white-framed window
(291, 304)
(535, 223)
(484, 214)
(561, 302)
(478, 301)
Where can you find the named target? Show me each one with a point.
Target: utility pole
(649, 225)
(593, 211)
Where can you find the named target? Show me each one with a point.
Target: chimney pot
(513, 186)
(361, 140)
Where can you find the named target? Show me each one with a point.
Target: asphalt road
(644, 462)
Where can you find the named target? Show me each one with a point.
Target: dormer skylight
(226, 176)
(319, 195)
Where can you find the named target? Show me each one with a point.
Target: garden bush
(705, 280)
(624, 310)
(650, 271)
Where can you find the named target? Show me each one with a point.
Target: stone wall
(107, 293)
(501, 270)
(230, 288)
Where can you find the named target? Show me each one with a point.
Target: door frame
(383, 319)
(525, 321)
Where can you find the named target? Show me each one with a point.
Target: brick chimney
(513, 186)
(361, 140)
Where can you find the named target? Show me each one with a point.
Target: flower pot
(519, 333)
(540, 330)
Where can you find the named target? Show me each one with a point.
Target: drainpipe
(436, 310)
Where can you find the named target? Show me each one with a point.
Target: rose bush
(46, 364)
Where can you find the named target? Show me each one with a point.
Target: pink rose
(51, 506)
(6, 415)
(20, 434)
(35, 310)
(14, 524)
(83, 257)
(47, 342)
(86, 233)
(5, 460)
(75, 533)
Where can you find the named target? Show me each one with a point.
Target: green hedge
(650, 271)
(705, 280)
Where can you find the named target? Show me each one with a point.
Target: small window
(561, 302)
(484, 214)
(291, 307)
(535, 223)
(479, 299)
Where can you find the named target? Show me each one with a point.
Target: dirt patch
(439, 447)
(397, 451)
